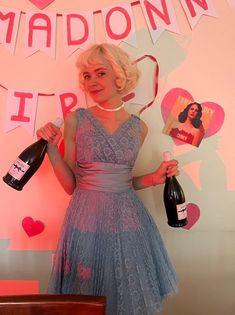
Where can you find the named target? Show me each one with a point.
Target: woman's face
(193, 111)
(100, 81)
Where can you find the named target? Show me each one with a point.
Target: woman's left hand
(166, 169)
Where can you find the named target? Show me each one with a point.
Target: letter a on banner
(194, 9)
(41, 33)
(9, 24)
(119, 24)
(21, 110)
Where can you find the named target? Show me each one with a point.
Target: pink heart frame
(215, 122)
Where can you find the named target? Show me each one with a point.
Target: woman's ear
(120, 83)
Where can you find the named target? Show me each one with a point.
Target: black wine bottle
(27, 163)
(174, 200)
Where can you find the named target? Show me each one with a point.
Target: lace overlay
(109, 243)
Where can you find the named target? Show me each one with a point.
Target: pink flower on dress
(84, 272)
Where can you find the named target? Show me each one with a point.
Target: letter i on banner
(9, 24)
(41, 33)
(194, 9)
(119, 24)
(21, 108)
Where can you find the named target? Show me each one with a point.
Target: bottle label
(182, 211)
(18, 169)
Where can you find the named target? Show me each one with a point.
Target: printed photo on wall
(188, 121)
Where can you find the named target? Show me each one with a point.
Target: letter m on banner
(9, 24)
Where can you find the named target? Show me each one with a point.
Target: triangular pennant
(119, 24)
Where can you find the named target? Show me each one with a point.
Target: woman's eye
(101, 74)
(86, 76)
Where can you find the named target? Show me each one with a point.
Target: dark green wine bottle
(174, 200)
(27, 163)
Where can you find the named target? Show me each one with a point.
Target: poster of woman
(188, 121)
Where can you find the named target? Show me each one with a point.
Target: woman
(189, 126)
(109, 244)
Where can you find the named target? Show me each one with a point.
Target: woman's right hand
(50, 133)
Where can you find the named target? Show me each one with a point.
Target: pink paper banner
(231, 3)
(194, 9)
(41, 33)
(21, 110)
(69, 101)
(119, 24)
(160, 16)
(9, 24)
(78, 31)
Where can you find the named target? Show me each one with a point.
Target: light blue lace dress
(109, 244)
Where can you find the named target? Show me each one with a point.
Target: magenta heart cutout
(41, 4)
(213, 113)
(193, 215)
(32, 227)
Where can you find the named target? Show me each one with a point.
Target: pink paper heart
(32, 227)
(193, 212)
(214, 124)
(41, 4)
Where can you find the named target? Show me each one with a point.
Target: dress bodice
(95, 143)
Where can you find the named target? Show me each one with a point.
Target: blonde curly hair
(123, 65)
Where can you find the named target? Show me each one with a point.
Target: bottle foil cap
(166, 156)
(58, 122)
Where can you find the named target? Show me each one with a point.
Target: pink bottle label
(18, 169)
(182, 211)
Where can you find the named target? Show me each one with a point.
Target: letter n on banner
(21, 108)
(160, 16)
(194, 9)
(9, 24)
(119, 24)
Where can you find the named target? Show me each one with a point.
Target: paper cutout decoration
(194, 9)
(41, 4)
(193, 215)
(21, 110)
(78, 29)
(119, 24)
(9, 25)
(175, 101)
(32, 227)
(159, 16)
(231, 3)
(41, 33)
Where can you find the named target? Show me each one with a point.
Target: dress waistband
(102, 176)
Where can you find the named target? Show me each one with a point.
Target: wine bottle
(174, 200)
(28, 162)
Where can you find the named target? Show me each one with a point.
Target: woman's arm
(169, 168)
(166, 169)
(63, 167)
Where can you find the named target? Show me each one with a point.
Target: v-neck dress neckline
(100, 125)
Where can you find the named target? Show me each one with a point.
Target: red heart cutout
(32, 227)
(213, 114)
(41, 4)
(193, 215)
